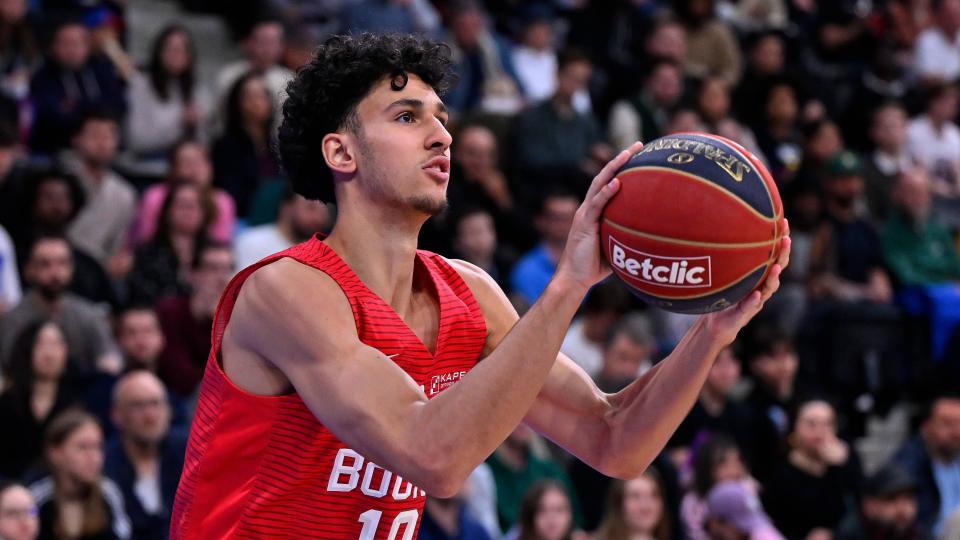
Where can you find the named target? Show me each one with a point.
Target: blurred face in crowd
(255, 104)
(714, 99)
(140, 337)
(685, 120)
(666, 84)
(306, 217)
(18, 514)
(50, 267)
(912, 192)
(191, 163)
(700, 9)
(80, 458)
(476, 152)
(556, 219)
(97, 142)
(782, 105)
(12, 10)
(730, 466)
(210, 278)
(140, 409)
(777, 370)
(175, 55)
(71, 46)
(889, 130)
(8, 158)
(476, 237)
(767, 55)
(54, 204)
(816, 424)
(49, 353)
(642, 504)
(943, 108)
(554, 517)
(186, 211)
(572, 78)
(948, 16)
(538, 35)
(897, 512)
(844, 190)
(622, 358)
(825, 142)
(942, 430)
(724, 374)
(467, 26)
(520, 438)
(668, 41)
(265, 45)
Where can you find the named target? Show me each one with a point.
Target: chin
(429, 205)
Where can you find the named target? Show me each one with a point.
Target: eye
(405, 117)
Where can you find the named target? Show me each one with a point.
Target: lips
(438, 168)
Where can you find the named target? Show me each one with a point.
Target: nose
(439, 137)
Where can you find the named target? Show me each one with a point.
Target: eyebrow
(416, 104)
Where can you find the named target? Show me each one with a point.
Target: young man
(344, 378)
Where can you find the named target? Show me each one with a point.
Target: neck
(641, 535)
(512, 455)
(841, 213)
(141, 453)
(255, 130)
(563, 104)
(94, 170)
(807, 463)
(70, 488)
(554, 249)
(50, 305)
(712, 401)
(380, 246)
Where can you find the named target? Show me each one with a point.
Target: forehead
(382, 94)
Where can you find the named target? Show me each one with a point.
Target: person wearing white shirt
(936, 53)
(9, 280)
(297, 220)
(933, 140)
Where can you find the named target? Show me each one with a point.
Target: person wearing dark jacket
(145, 458)
(888, 510)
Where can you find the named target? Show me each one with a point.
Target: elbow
(442, 476)
(623, 469)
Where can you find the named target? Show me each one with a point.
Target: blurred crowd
(132, 189)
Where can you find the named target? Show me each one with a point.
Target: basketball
(696, 224)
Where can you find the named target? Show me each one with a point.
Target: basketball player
(352, 375)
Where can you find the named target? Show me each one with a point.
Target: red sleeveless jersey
(265, 467)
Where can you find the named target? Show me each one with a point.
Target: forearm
(473, 417)
(646, 413)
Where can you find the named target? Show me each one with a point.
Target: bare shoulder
(498, 313)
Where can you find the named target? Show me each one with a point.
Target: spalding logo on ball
(696, 225)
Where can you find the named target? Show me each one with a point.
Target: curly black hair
(323, 97)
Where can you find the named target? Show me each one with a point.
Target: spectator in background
(12, 184)
(475, 241)
(755, 15)
(667, 40)
(773, 366)
(806, 496)
(735, 513)
(636, 509)
(297, 220)
(18, 513)
(545, 513)
(161, 267)
(716, 460)
(713, 105)
(76, 500)
(244, 156)
(627, 352)
(933, 139)
(777, 135)
(516, 468)
(51, 200)
(643, 116)
(906, 20)
(450, 519)
(715, 411)
(766, 60)
(535, 55)
(101, 226)
(167, 103)
(822, 141)
(39, 389)
(19, 54)
(70, 82)
(533, 271)
(936, 53)
(888, 509)
(187, 319)
(918, 249)
(10, 293)
(584, 342)
(553, 135)
(377, 16)
(481, 63)
(49, 270)
(710, 45)
(888, 134)
(190, 163)
(263, 48)
(145, 458)
(932, 457)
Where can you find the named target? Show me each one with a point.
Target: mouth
(438, 168)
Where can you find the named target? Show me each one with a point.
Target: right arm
(371, 404)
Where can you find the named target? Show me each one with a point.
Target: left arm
(620, 434)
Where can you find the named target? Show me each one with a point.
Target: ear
(338, 152)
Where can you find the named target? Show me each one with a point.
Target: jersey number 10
(371, 520)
